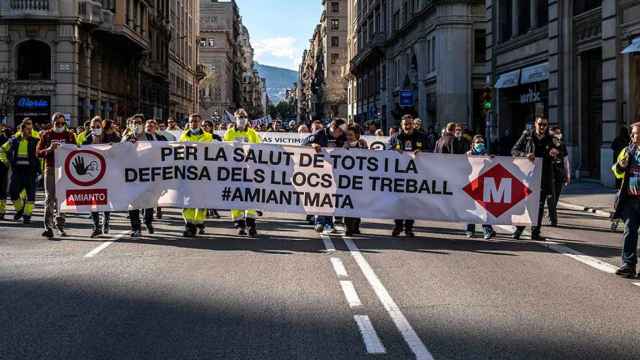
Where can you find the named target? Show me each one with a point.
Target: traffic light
(487, 100)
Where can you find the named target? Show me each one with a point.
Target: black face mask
(197, 131)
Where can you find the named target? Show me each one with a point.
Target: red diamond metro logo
(497, 190)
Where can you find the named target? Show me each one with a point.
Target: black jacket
(529, 143)
(106, 139)
(622, 197)
(323, 138)
(417, 141)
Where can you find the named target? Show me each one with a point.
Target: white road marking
(338, 267)
(371, 340)
(585, 259)
(328, 244)
(105, 245)
(636, 283)
(408, 333)
(350, 293)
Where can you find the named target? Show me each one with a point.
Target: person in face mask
(135, 128)
(101, 133)
(194, 218)
(49, 142)
(352, 225)
(479, 148)
(242, 132)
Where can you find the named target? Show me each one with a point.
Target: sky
(280, 29)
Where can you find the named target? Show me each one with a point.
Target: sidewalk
(587, 196)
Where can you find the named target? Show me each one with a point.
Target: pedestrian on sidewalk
(479, 148)
(49, 142)
(537, 143)
(627, 205)
(561, 173)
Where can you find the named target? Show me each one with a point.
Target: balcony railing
(28, 8)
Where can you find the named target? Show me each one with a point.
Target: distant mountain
(278, 80)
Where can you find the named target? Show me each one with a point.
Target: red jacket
(49, 137)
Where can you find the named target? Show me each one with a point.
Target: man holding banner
(408, 139)
(243, 133)
(194, 217)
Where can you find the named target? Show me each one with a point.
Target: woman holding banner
(241, 132)
(352, 225)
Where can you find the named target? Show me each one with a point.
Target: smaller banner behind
(338, 182)
(284, 138)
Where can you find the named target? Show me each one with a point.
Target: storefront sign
(633, 48)
(508, 80)
(531, 97)
(406, 98)
(33, 106)
(535, 73)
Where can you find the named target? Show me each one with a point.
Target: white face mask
(241, 123)
(58, 130)
(97, 132)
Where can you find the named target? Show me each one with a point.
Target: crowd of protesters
(27, 154)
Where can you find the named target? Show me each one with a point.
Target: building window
(480, 48)
(335, 41)
(34, 60)
(543, 12)
(335, 24)
(585, 5)
(335, 7)
(335, 58)
(524, 16)
(433, 54)
(505, 16)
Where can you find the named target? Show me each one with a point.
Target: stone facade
(82, 58)
(183, 58)
(417, 57)
(226, 53)
(562, 59)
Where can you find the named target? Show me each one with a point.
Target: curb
(597, 212)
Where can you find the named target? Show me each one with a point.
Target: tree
(282, 110)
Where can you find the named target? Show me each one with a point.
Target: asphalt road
(293, 294)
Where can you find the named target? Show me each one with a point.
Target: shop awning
(633, 48)
(535, 73)
(508, 80)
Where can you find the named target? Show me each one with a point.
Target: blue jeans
(487, 229)
(324, 220)
(631, 217)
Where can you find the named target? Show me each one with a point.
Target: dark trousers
(352, 224)
(553, 203)
(4, 180)
(95, 216)
(23, 178)
(631, 217)
(545, 196)
(404, 224)
(134, 216)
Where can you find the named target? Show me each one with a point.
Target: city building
(183, 58)
(82, 58)
(403, 61)
(575, 62)
(227, 55)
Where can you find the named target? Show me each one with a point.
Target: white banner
(339, 182)
(288, 138)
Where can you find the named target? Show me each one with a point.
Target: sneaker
(26, 220)
(189, 231)
(150, 228)
(468, 234)
(627, 271)
(136, 234)
(96, 233)
(242, 231)
(318, 228)
(516, 235)
(253, 232)
(48, 234)
(18, 215)
(328, 229)
(61, 231)
(409, 233)
(396, 232)
(490, 235)
(537, 237)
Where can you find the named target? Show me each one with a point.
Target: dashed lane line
(104, 245)
(371, 340)
(338, 267)
(577, 255)
(328, 243)
(350, 293)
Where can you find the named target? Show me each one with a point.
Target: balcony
(90, 11)
(16, 9)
